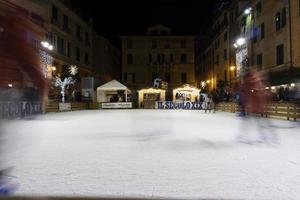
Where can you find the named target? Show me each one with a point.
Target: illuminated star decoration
(73, 70)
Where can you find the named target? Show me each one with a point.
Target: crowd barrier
(278, 110)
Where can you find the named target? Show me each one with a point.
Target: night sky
(128, 17)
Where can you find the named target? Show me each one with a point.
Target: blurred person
(255, 98)
(20, 71)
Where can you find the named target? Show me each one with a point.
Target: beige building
(159, 54)
(70, 36)
(270, 30)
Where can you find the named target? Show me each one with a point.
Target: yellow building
(158, 55)
(262, 35)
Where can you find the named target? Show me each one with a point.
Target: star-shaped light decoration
(73, 70)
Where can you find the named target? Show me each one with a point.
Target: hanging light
(247, 11)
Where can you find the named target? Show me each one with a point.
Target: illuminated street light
(47, 45)
(53, 68)
(10, 85)
(241, 41)
(247, 11)
(208, 81)
(232, 68)
(235, 45)
(293, 84)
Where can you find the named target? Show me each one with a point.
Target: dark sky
(113, 18)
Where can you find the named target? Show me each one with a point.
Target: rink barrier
(288, 111)
(54, 106)
(94, 198)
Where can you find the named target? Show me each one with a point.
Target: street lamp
(247, 11)
(46, 45)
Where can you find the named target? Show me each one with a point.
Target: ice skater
(254, 99)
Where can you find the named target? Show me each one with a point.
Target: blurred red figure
(19, 57)
(253, 92)
(255, 98)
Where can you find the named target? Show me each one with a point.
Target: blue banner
(19, 109)
(176, 105)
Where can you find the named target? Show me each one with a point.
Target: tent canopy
(112, 85)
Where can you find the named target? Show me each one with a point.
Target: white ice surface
(151, 153)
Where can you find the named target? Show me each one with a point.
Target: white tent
(112, 87)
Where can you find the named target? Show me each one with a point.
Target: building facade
(106, 60)
(158, 55)
(261, 35)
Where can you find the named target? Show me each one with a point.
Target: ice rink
(152, 153)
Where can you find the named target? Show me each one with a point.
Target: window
(158, 58)
(262, 31)
(258, 9)
(167, 45)
(66, 23)
(87, 38)
(153, 32)
(225, 54)
(129, 44)
(225, 75)
(279, 54)
(129, 59)
(78, 31)
(171, 58)
(280, 19)
(183, 43)
(183, 77)
(78, 54)
(125, 77)
(86, 58)
(150, 58)
(254, 34)
(54, 13)
(154, 44)
(133, 77)
(69, 49)
(259, 61)
(225, 36)
(162, 58)
(60, 45)
(167, 77)
(163, 32)
(299, 7)
(183, 58)
(217, 59)
(154, 75)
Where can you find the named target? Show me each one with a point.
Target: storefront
(186, 93)
(148, 97)
(114, 95)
